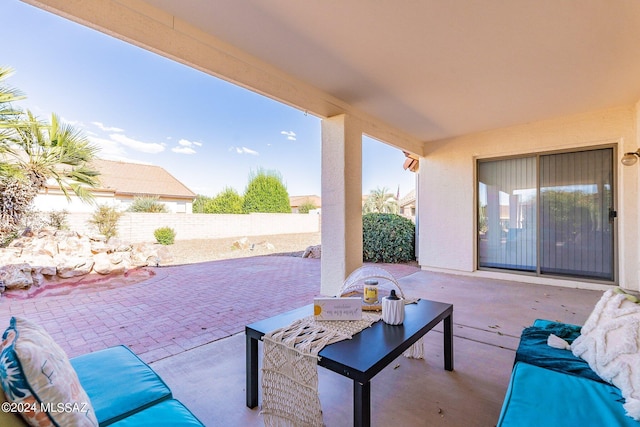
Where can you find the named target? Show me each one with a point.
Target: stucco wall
(447, 188)
(56, 200)
(139, 227)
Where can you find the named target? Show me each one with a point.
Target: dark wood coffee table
(363, 356)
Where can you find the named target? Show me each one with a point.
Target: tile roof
(408, 199)
(139, 179)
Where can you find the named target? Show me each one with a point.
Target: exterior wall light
(630, 158)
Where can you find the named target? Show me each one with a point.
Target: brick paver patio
(180, 308)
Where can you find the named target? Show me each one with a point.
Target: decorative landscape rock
(16, 276)
(244, 244)
(241, 243)
(72, 266)
(102, 263)
(36, 258)
(313, 252)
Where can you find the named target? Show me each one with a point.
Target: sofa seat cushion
(118, 383)
(169, 413)
(542, 397)
(533, 349)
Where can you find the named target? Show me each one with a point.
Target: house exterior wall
(55, 200)
(447, 202)
(139, 227)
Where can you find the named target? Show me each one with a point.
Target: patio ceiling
(429, 69)
(438, 69)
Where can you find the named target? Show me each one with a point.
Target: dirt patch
(202, 250)
(182, 252)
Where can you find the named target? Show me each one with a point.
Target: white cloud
(291, 135)
(144, 147)
(107, 128)
(112, 150)
(109, 149)
(183, 150)
(187, 143)
(244, 150)
(186, 147)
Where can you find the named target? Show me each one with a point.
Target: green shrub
(58, 219)
(307, 206)
(6, 237)
(227, 201)
(106, 218)
(266, 193)
(387, 238)
(165, 235)
(148, 204)
(200, 203)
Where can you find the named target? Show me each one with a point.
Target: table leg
(252, 371)
(448, 342)
(361, 404)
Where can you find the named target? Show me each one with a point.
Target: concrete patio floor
(489, 316)
(188, 323)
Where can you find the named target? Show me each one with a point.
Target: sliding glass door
(576, 202)
(507, 214)
(550, 214)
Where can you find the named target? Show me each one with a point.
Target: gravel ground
(201, 250)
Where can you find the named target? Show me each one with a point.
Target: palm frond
(83, 193)
(8, 95)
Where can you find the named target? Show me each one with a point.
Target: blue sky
(141, 107)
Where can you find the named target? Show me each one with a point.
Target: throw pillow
(37, 376)
(610, 343)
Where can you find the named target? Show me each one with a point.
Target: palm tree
(8, 95)
(33, 152)
(8, 117)
(37, 151)
(53, 151)
(380, 200)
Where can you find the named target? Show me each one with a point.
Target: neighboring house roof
(296, 201)
(408, 199)
(139, 179)
(136, 178)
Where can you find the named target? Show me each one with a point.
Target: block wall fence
(139, 227)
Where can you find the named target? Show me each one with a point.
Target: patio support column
(341, 201)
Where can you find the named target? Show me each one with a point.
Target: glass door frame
(537, 272)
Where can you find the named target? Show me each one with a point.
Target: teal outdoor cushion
(542, 397)
(534, 350)
(118, 383)
(169, 413)
(544, 323)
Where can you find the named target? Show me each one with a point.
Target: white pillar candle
(393, 309)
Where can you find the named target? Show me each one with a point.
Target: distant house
(296, 201)
(407, 204)
(120, 183)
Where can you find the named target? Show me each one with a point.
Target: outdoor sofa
(593, 381)
(110, 387)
